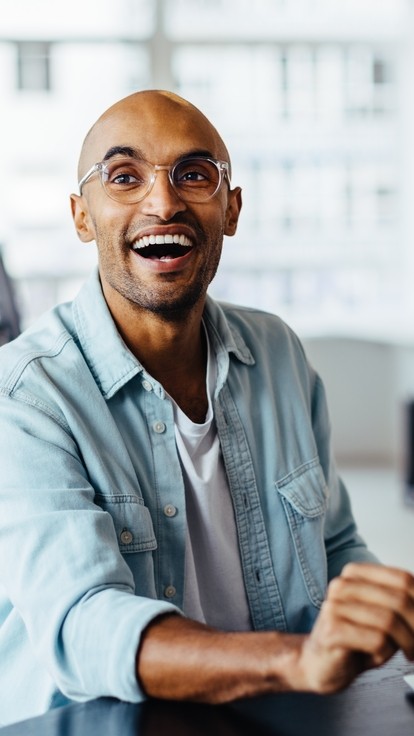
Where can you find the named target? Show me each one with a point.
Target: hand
(367, 616)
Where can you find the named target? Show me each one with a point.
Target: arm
(77, 615)
(181, 659)
(367, 616)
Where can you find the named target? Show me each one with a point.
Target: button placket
(170, 499)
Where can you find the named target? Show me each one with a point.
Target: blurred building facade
(311, 97)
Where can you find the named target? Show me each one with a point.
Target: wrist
(288, 664)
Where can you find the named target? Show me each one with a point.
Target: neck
(172, 351)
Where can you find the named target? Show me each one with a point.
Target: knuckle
(329, 610)
(407, 579)
(402, 600)
(328, 622)
(336, 587)
(404, 580)
(389, 619)
(380, 656)
(379, 644)
(350, 568)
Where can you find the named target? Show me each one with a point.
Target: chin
(174, 311)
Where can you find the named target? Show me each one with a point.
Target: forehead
(160, 128)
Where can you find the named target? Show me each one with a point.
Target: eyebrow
(196, 154)
(132, 152)
(128, 151)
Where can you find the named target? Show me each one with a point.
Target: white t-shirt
(214, 591)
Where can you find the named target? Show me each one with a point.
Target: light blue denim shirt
(90, 550)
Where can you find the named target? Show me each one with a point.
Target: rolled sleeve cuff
(104, 657)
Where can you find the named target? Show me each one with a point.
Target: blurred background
(314, 99)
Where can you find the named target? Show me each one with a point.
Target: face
(164, 278)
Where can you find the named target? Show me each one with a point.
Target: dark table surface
(378, 703)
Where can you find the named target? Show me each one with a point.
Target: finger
(389, 624)
(393, 577)
(335, 630)
(396, 597)
(396, 600)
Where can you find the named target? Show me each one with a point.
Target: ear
(234, 205)
(81, 218)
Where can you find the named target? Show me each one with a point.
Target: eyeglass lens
(129, 180)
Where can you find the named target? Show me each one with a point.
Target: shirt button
(146, 385)
(170, 510)
(170, 591)
(158, 427)
(126, 537)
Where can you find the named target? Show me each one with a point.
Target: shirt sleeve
(60, 563)
(342, 541)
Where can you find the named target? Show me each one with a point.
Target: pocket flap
(305, 489)
(132, 521)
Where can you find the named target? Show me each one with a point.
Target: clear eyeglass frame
(193, 191)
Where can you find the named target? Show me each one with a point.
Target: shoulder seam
(28, 358)
(36, 404)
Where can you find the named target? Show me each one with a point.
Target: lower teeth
(161, 258)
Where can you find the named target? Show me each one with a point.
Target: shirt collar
(110, 360)
(224, 334)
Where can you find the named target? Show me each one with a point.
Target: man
(170, 514)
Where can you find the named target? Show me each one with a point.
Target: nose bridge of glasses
(168, 168)
(162, 167)
(166, 186)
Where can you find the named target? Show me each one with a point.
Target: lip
(157, 266)
(175, 265)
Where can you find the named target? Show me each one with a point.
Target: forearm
(182, 660)
(367, 616)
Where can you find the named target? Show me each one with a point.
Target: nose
(162, 200)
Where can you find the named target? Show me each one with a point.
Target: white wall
(368, 384)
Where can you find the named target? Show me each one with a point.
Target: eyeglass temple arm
(85, 178)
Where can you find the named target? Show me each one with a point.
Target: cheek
(212, 218)
(111, 228)
(106, 213)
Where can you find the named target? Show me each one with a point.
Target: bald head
(156, 118)
(162, 129)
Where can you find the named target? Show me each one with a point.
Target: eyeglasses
(129, 180)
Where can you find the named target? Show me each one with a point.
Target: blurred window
(33, 66)
(313, 99)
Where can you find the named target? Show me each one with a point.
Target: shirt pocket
(304, 496)
(136, 538)
(132, 522)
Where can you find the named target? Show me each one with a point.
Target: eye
(195, 171)
(124, 178)
(194, 175)
(126, 174)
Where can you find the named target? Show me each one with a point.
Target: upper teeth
(162, 240)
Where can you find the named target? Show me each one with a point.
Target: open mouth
(163, 247)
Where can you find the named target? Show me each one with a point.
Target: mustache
(177, 220)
